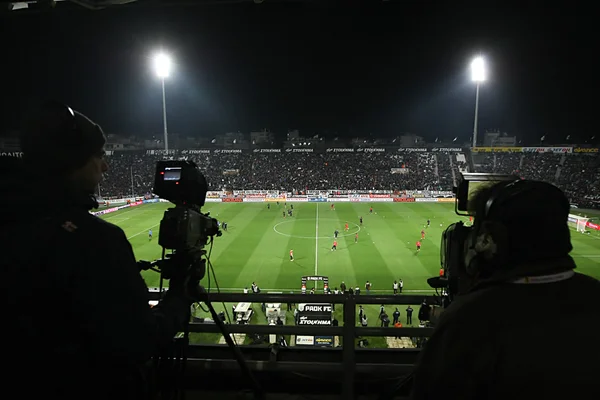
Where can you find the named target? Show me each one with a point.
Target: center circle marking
(356, 229)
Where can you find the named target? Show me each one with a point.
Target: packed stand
(541, 167)
(580, 179)
(283, 171)
(445, 170)
(578, 174)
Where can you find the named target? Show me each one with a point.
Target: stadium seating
(577, 174)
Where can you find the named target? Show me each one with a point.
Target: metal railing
(347, 360)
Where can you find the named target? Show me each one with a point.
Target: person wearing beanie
(505, 338)
(75, 307)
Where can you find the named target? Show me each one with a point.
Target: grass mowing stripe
(317, 243)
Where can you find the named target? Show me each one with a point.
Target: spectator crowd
(577, 174)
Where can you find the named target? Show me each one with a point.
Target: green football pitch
(256, 246)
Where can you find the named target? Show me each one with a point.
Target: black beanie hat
(535, 215)
(57, 139)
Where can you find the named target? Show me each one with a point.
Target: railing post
(348, 350)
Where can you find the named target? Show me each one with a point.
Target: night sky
(343, 70)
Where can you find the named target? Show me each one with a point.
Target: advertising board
(324, 341)
(305, 340)
(412, 150)
(232, 200)
(447, 149)
(403, 200)
(427, 200)
(593, 226)
(547, 149)
(497, 149)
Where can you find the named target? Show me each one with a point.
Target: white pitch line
(145, 230)
(317, 244)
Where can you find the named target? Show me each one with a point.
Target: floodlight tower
(478, 75)
(162, 66)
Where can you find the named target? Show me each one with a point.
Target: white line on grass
(317, 244)
(145, 230)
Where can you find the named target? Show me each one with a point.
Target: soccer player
(418, 246)
(291, 255)
(336, 233)
(268, 206)
(292, 206)
(334, 247)
(361, 220)
(422, 234)
(356, 237)
(150, 234)
(283, 212)
(428, 222)
(332, 207)
(346, 227)
(370, 210)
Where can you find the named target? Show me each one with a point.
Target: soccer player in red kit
(334, 247)
(370, 210)
(346, 227)
(356, 237)
(422, 234)
(291, 255)
(418, 246)
(332, 207)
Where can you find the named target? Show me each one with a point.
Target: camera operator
(518, 332)
(77, 323)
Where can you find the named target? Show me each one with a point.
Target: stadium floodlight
(162, 66)
(478, 75)
(478, 72)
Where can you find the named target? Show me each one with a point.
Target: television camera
(184, 229)
(456, 240)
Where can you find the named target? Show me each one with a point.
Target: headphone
(486, 245)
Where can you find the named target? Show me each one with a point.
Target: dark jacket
(511, 340)
(77, 322)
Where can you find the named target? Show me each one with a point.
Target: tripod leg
(258, 393)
